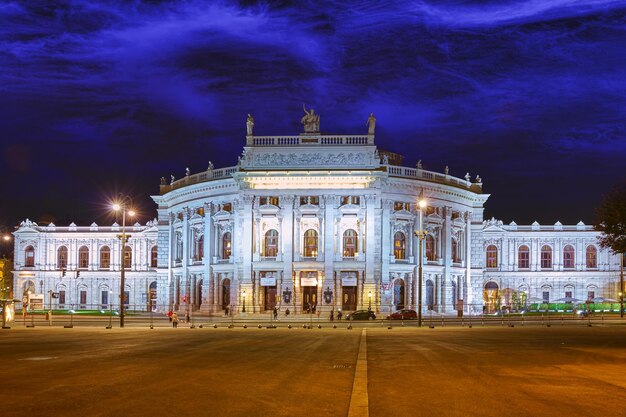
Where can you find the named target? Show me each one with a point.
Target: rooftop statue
(249, 125)
(371, 124)
(311, 121)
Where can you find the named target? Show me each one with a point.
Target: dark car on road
(361, 315)
(403, 315)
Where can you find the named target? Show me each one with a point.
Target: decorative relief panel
(314, 159)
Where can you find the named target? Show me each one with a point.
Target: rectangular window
(105, 297)
(227, 207)
(126, 297)
(310, 199)
(83, 297)
(591, 295)
(105, 259)
(568, 294)
(350, 199)
(546, 296)
(62, 297)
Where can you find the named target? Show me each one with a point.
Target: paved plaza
(451, 371)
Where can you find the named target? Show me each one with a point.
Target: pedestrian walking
(287, 313)
(187, 318)
(174, 320)
(275, 313)
(332, 315)
(169, 315)
(339, 315)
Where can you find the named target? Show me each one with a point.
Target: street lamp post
(621, 285)
(421, 203)
(243, 310)
(123, 238)
(369, 296)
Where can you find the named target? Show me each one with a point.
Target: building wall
(327, 186)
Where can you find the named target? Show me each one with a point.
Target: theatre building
(316, 222)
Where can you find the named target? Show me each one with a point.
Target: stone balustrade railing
(405, 172)
(313, 139)
(212, 174)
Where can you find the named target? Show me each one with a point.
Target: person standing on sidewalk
(174, 320)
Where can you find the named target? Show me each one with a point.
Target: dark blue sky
(103, 98)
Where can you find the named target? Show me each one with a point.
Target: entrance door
(270, 297)
(349, 298)
(225, 294)
(309, 299)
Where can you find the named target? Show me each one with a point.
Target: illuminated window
(128, 257)
(226, 242)
(430, 247)
(83, 257)
(546, 257)
(271, 243)
(492, 256)
(227, 207)
(523, 257)
(313, 200)
(399, 245)
(105, 257)
(568, 257)
(310, 243)
(272, 200)
(350, 238)
(62, 257)
(398, 205)
(351, 199)
(29, 256)
(154, 257)
(591, 257)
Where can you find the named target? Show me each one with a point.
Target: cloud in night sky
(103, 97)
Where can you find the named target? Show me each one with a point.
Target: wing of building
(315, 222)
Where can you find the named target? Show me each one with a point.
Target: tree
(611, 220)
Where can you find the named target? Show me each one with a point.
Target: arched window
(430, 247)
(568, 257)
(310, 243)
(62, 257)
(154, 257)
(105, 257)
(29, 256)
(226, 242)
(546, 257)
(492, 256)
(523, 257)
(83, 257)
(399, 245)
(455, 251)
(128, 256)
(349, 243)
(270, 248)
(591, 257)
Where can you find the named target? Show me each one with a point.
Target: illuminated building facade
(318, 222)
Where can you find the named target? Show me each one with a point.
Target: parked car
(403, 315)
(361, 315)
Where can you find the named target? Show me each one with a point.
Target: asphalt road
(491, 371)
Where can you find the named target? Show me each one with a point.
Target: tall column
(447, 245)
(185, 255)
(329, 244)
(207, 279)
(468, 258)
(245, 245)
(287, 241)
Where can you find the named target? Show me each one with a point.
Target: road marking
(38, 358)
(359, 403)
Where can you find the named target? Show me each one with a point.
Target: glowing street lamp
(369, 296)
(421, 203)
(123, 238)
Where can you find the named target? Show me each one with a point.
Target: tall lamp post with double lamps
(421, 203)
(122, 205)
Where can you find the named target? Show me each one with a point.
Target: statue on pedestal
(371, 124)
(310, 121)
(249, 125)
